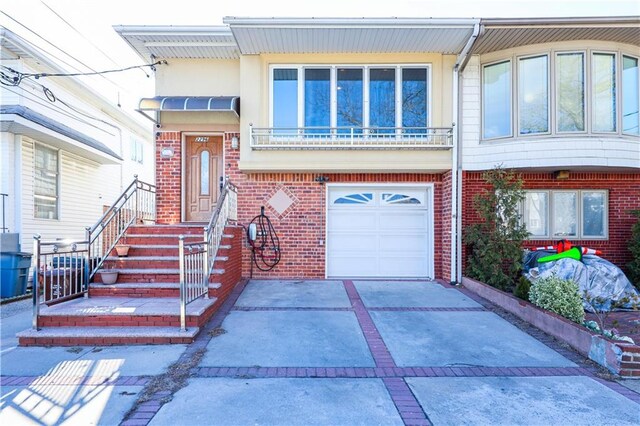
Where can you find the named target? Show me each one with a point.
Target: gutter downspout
(456, 170)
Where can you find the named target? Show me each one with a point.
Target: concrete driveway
(321, 352)
(384, 352)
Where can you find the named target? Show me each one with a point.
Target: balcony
(351, 138)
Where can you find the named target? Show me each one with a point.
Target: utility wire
(113, 61)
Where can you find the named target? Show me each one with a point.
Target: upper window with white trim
(572, 214)
(561, 93)
(350, 98)
(45, 183)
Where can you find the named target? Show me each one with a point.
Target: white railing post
(183, 301)
(205, 265)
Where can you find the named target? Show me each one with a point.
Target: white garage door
(379, 231)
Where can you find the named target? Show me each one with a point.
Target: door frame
(429, 186)
(183, 165)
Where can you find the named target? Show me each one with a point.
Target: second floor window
(561, 93)
(350, 98)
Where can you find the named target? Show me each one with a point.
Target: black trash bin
(14, 272)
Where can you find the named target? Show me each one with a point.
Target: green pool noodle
(573, 253)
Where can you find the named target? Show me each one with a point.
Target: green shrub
(633, 267)
(495, 242)
(559, 296)
(522, 288)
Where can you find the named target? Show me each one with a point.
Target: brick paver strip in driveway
(522, 400)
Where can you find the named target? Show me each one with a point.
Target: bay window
(376, 99)
(561, 93)
(571, 214)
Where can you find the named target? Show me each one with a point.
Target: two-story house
(365, 139)
(340, 128)
(557, 100)
(66, 152)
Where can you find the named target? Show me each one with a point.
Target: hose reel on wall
(264, 242)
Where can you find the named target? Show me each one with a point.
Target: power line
(58, 109)
(113, 61)
(61, 50)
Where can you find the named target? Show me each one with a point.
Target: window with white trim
(593, 92)
(136, 150)
(45, 183)
(571, 214)
(377, 97)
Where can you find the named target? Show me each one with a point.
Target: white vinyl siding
(82, 186)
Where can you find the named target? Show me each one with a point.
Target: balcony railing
(351, 138)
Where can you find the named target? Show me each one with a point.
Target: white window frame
(37, 146)
(621, 86)
(617, 92)
(516, 104)
(579, 215)
(553, 92)
(365, 82)
(511, 101)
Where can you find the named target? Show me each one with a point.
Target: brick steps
(143, 290)
(143, 306)
(105, 336)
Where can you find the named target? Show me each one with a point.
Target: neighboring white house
(65, 151)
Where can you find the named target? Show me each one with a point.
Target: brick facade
(624, 195)
(168, 178)
(301, 228)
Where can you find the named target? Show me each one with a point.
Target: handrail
(197, 258)
(135, 204)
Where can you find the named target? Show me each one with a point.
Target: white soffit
(346, 35)
(184, 42)
(505, 34)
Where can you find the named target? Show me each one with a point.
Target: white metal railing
(351, 137)
(135, 204)
(196, 259)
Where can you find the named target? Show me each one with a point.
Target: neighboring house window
(590, 94)
(378, 98)
(565, 214)
(630, 103)
(136, 149)
(496, 103)
(45, 188)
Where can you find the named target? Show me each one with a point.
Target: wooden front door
(203, 162)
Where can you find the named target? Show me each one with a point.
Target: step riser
(143, 278)
(161, 240)
(132, 263)
(117, 321)
(141, 292)
(96, 341)
(154, 251)
(159, 230)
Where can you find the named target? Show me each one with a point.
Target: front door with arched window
(203, 163)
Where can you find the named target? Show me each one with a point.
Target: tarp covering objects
(595, 275)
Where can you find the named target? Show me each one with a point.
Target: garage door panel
(399, 220)
(353, 266)
(408, 243)
(341, 220)
(403, 266)
(338, 243)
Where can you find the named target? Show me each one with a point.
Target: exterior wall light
(234, 142)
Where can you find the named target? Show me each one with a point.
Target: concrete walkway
(323, 352)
